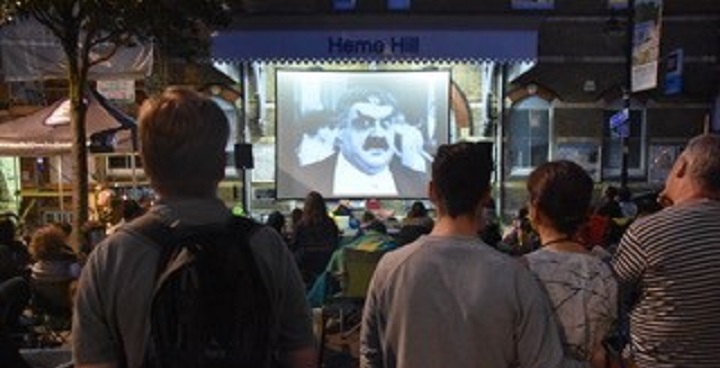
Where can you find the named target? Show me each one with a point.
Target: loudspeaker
(244, 156)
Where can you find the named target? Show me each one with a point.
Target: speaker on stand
(243, 156)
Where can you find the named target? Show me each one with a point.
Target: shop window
(529, 135)
(661, 158)
(612, 146)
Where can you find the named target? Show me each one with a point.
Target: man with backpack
(188, 284)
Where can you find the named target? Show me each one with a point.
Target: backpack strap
(160, 234)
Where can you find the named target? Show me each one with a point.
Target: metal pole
(245, 135)
(630, 30)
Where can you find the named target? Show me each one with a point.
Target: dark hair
(314, 210)
(562, 191)
(611, 192)
(417, 210)
(276, 220)
(461, 177)
(296, 216)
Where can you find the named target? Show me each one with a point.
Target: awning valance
(375, 45)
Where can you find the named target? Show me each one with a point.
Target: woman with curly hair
(53, 259)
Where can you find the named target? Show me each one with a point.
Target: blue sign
(674, 72)
(374, 44)
(619, 124)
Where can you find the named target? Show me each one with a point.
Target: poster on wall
(359, 134)
(9, 184)
(533, 4)
(646, 44)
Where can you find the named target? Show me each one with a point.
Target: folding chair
(51, 308)
(358, 269)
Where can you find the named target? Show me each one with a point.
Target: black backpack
(210, 306)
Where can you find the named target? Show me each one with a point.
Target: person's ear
(431, 191)
(533, 214)
(682, 167)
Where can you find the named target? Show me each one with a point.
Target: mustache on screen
(375, 143)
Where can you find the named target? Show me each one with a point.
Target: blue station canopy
(375, 45)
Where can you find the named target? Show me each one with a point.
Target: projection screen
(359, 134)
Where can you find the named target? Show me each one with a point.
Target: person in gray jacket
(183, 137)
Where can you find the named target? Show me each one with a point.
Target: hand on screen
(411, 150)
(314, 148)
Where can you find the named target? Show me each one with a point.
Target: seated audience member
(316, 228)
(14, 256)
(14, 288)
(609, 206)
(417, 223)
(581, 287)
(418, 216)
(315, 237)
(490, 229)
(374, 238)
(520, 238)
(53, 259)
(295, 217)
(276, 220)
(627, 206)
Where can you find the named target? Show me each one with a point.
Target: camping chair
(345, 307)
(51, 309)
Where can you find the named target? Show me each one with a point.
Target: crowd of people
(570, 283)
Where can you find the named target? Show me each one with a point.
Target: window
(612, 147)
(529, 135)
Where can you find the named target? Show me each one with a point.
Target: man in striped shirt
(668, 266)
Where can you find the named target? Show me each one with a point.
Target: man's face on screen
(367, 137)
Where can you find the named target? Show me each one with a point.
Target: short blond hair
(183, 137)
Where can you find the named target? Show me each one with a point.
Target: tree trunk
(77, 77)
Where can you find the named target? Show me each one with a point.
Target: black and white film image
(350, 134)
